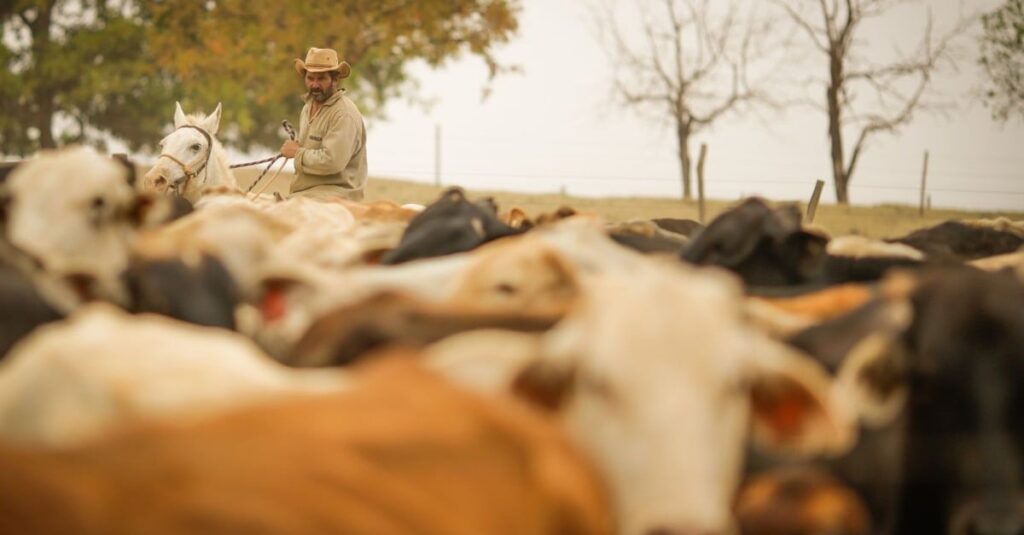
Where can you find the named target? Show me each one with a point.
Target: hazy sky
(554, 126)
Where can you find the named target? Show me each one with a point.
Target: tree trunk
(835, 125)
(44, 97)
(44, 122)
(685, 163)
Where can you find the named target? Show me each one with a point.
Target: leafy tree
(84, 70)
(1002, 56)
(82, 64)
(241, 52)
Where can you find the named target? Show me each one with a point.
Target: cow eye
(598, 386)
(97, 210)
(506, 288)
(196, 147)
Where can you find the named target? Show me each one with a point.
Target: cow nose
(83, 284)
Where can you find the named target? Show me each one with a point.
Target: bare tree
(861, 97)
(692, 63)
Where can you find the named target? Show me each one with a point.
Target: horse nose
(156, 179)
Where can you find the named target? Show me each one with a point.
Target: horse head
(191, 158)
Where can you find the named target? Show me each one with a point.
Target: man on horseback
(330, 152)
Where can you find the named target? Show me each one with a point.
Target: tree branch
(801, 22)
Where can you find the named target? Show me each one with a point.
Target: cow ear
(792, 409)
(517, 219)
(544, 384)
(212, 121)
(179, 116)
(807, 251)
(129, 168)
(871, 385)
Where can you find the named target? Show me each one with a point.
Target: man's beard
(321, 95)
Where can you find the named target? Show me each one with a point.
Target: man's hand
(289, 148)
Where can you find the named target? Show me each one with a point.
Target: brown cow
(344, 334)
(402, 452)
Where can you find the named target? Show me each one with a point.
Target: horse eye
(196, 147)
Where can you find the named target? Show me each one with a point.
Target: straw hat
(322, 60)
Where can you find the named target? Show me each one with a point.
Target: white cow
(74, 212)
(657, 376)
(71, 381)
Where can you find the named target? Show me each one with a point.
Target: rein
(291, 134)
(189, 173)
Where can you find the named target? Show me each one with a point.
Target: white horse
(191, 159)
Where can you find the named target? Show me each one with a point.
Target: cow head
(522, 274)
(451, 224)
(765, 246)
(73, 212)
(965, 447)
(664, 397)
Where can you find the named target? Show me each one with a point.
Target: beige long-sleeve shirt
(332, 157)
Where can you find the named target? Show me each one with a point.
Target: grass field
(879, 221)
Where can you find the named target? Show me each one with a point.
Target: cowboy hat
(322, 60)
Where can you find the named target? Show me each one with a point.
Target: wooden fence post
(700, 182)
(812, 206)
(924, 182)
(437, 155)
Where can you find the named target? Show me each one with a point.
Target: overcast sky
(554, 126)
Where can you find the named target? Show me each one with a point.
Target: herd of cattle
(303, 366)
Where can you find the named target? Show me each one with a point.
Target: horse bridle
(179, 186)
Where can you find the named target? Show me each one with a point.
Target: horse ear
(212, 121)
(179, 116)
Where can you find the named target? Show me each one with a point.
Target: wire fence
(427, 175)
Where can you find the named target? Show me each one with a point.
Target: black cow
(964, 456)
(765, 246)
(957, 240)
(658, 243)
(838, 269)
(685, 227)
(205, 294)
(952, 461)
(344, 335)
(645, 236)
(452, 224)
(774, 255)
(6, 168)
(22, 308)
